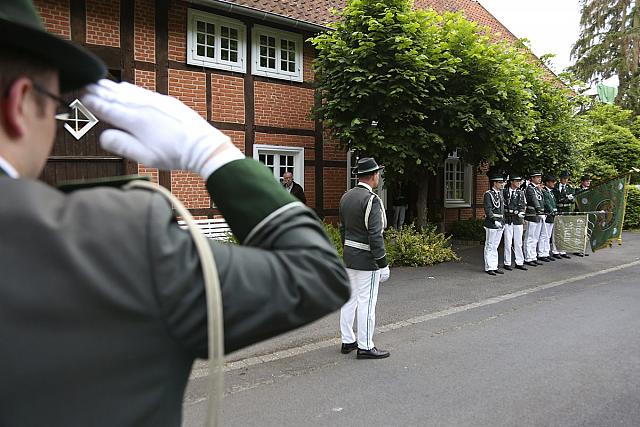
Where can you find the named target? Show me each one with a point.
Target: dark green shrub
(334, 235)
(470, 229)
(632, 213)
(417, 248)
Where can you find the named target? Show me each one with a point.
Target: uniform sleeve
(376, 239)
(487, 205)
(288, 275)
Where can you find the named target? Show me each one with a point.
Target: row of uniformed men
(535, 204)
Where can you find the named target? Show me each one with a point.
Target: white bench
(215, 228)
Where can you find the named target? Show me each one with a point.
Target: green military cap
(22, 30)
(535, 173)
(565, 174)
(549, 177)
(496, 177)
(514, 177)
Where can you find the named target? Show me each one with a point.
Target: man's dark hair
(15, 64)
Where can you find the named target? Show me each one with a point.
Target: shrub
(408, 246)
(632, 212)
(334, 236)
(417, 248)
(470, 229)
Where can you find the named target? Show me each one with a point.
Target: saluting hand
(157, 130)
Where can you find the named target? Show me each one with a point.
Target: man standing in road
(564, 194)
(550, 210)
(293, 187)
(493, 224)
(515, 205)
(534, 215)
(362, 222)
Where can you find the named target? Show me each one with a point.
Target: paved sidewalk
(413, 292)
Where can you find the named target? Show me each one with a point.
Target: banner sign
(570, 232)
(607, 197)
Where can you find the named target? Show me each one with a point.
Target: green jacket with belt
(550, 209)
(565, 198)
(102, 302)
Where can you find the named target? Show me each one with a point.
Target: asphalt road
(559, 348)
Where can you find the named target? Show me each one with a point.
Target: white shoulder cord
(214, 301)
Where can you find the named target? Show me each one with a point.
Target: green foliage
(334, 236)
(609, 44)
(470, 230)
(632, 213)
(410, 86)
(608, 146)
(408, 246)
(417, 248)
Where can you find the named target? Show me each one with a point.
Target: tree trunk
(421, 202)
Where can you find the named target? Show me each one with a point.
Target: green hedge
(632, 213)
(470, 229)
(408, 246)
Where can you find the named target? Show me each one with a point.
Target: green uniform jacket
(563, 201)
(493, 208)
(550, 209)
(102, 302)
(515, 203)
(535, 204)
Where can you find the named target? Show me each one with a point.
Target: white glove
(521, 215)
(384, 274)
(157, 130)
(570, 197)
(497, 224)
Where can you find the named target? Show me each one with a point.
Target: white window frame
(204, 61)
(298, 159)
(467, 182)
(278, 73)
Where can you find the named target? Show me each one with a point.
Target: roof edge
(228, 6)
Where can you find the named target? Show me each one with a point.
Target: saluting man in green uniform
(102, 303)
(564, 194)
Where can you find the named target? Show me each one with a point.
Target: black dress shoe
(348, 347)
(507, 267)
(543, 259)
(531, 263)
(567, 256)
(490, 272)
(581, 254)
(498, 271)
(374, 353)
(521, 267)
(557, 256)
(550, 258)
(537, 262)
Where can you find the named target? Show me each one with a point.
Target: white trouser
(551, 245)
(513, 242)
(364, 295)
(534, 229)
(491, 243)
(544, 244)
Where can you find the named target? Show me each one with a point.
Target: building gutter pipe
(230, 7)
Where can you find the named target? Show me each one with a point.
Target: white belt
(357, 245)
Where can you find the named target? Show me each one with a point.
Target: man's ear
(14, 107)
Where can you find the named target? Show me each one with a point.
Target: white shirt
(367, 186)
(10, 170)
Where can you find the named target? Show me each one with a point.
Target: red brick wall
(310, 186)
(177, 31)
(144, 31)
(237, 137)
(307, 142)
(335, 184)
(146, 79)
(308, 53)
(189, 188)
(227, 98)
(283, 105)
(55, 16)
(189, 87)
(103, 22)
(150, 172)
(332, 148)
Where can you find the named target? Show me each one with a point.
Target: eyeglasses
(62, 104)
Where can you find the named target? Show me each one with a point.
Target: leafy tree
(609, 44)
(410, 86)
(608, 147)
